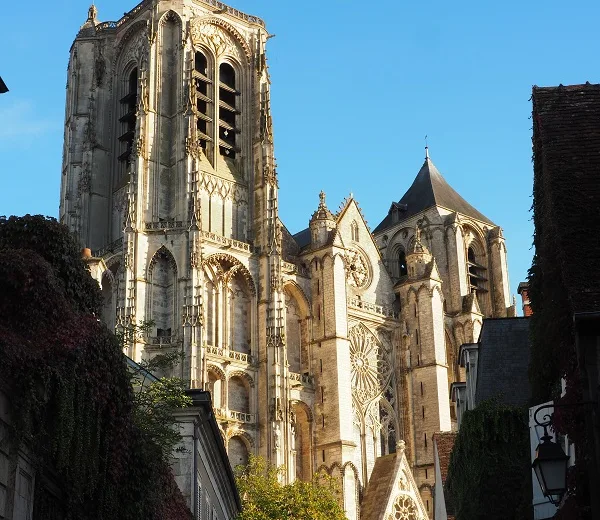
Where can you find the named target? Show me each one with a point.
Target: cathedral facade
(323, 350)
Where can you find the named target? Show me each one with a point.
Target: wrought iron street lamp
(550, 464)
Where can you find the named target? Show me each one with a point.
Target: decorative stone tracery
(220, 37)
(404, 509)
(370, 367)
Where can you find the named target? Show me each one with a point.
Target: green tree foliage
(265, 498)
(489, 475)
(70, 391)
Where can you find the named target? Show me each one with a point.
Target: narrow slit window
(228, 112)
(202, 87)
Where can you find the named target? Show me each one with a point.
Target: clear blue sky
(355, 88)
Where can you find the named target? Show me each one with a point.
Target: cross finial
(426, 149)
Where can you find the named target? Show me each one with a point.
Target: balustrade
(224, 414)
(382, 310)
(230, 354)
(305, 379)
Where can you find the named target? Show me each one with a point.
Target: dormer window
(228, 112)
(204, 102)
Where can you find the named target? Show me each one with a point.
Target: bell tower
(169, 177)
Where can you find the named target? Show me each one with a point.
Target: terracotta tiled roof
(444, 442)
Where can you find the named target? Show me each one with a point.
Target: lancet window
(402, 266)
(228, 297)
(204, 100)
(478, 278)
(162, 289)
(228, 112)
(127, 119)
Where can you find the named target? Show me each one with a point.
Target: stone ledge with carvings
(382, 310)
(290, 268)
(162, 225)
(113, 25)
(233, 415)
(112, 248)
(304, 379)
(221, 240)
(228, 354)
(162, 341)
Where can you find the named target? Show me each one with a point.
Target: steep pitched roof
(391, 478)
(379, 488)
(427, 190)
(503, 361)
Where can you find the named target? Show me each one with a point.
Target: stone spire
(92, 19)
(322, 212)
(321, 223)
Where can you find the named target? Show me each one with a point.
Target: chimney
(523, 290)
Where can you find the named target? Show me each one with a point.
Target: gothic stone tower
(448, 262)
(169, 177)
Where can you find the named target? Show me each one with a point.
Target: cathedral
(326, 350)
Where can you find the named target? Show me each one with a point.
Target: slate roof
(379, 486)
(427, 190)
(302, 238)
(503, 361)
(566, 145)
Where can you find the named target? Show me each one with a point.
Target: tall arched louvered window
(228, 127)
(204, 101)
(128, 118)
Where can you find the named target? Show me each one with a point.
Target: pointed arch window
(354, 228)
(228, 112)
(128, 118)
(402, 266)
(204, 101)
(477, 272)
(162, 294)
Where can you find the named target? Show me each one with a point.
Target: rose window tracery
(370, 370)
(357, 269)
(404, 509)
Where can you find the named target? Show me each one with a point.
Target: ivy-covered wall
(489, 475)
(563, 278)
(71, 398)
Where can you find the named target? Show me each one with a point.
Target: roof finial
(92, 13)
(322, 198)
(426, 149)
